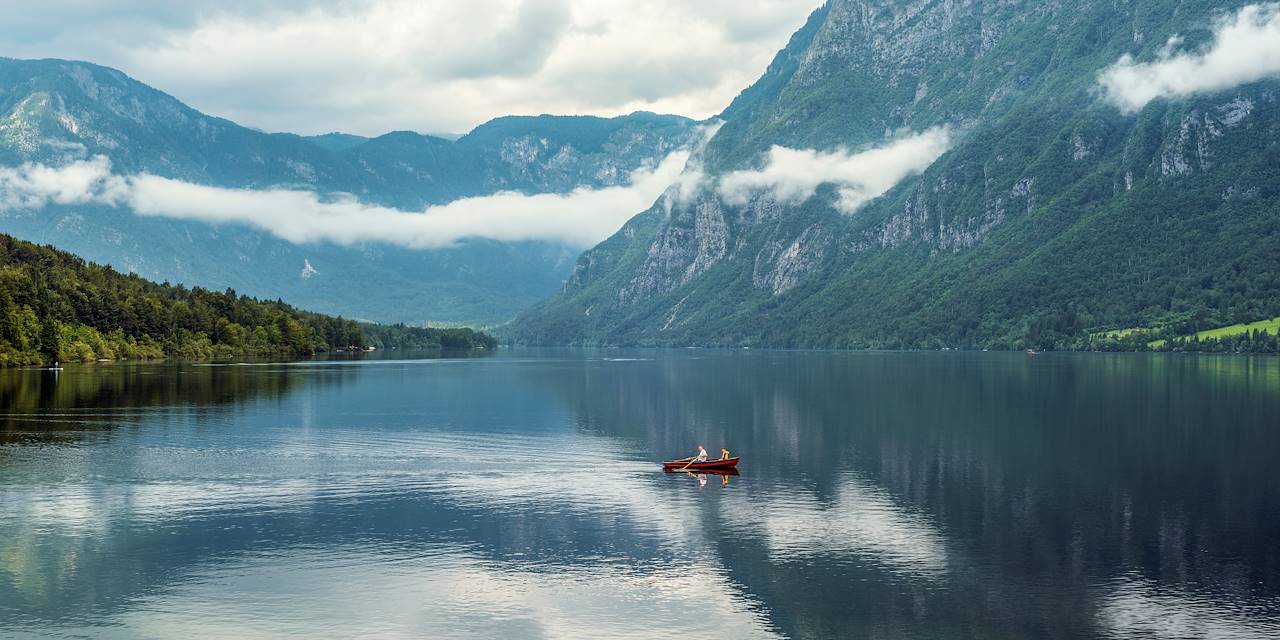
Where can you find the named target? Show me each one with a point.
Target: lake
(887, 495)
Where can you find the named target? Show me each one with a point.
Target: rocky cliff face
(1044, 186)
(542, 154)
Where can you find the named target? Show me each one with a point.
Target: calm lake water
(886, 495)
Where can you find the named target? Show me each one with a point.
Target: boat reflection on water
(701, 476)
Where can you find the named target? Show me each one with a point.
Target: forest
(56, 307)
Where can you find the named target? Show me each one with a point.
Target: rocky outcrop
(779, 267)
(550, 165)
(1191, 149)
(691, 239)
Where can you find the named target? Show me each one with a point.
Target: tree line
(55, 306)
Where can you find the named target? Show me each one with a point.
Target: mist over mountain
(986, 174)
(86, 148)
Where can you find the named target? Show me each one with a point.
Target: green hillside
(1271, 326)
(1052, 218)
(1262, 336)
(55, 306)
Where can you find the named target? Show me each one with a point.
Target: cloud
(371, 66)
(792, 175)
(579, 218)
(693, 179)
(520, 48)
(32, 186)
(1245, 48)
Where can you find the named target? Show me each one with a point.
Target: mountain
(336, 141)
(1054, 218)
(54, 306)
(53, 112)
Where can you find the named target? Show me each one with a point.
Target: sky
(439, 66)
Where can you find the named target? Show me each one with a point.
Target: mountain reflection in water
(892, 494)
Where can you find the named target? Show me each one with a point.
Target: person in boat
(702, 455)
(724, 453)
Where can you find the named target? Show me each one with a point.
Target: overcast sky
(372, 66)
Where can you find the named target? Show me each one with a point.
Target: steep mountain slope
(54, 111)
(529, 154)
(1051, 216)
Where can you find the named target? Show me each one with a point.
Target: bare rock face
(692, 238)
(1234, 112)
(1174, 160)
(1192, 149)
(20, 129)
(554, 166)
(712, 235)
(779, 267)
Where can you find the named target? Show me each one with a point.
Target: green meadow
(1271, 326)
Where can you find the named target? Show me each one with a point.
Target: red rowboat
(709, 465)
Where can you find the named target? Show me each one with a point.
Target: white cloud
(31, 186)
(1245, 48)
(693, 178)
(792, 176)
(579, 218)
(370, 66)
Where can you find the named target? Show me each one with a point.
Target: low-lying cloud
(1245, 48)
(579, 218)
(792, 176)
(32, 186)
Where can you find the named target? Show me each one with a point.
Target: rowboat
(709, 465)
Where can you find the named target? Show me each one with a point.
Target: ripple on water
(1133, 606)
(450, 591)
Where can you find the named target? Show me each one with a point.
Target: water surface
(888, 495)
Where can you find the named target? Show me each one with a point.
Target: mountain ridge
(54, 111)
(1052, 215)
(51, 104)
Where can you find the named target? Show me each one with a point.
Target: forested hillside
(55, 306)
